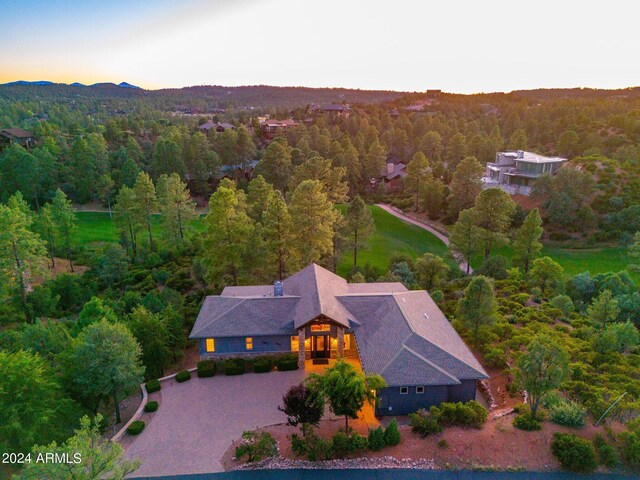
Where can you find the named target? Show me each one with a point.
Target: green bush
(153, 386)
(392, 433)
(442, 443)
(376, 439)
(135, 428)
(298, 445)
(574, 453)
(424, 423)
(569, 414)
(206, 368)
(470, 414)
(287, 362)
(631, 447)
(262, 365)
(607, 454)
(151, 406)
(525, 421)
(358, 442)
(256, 446)
(234, 366)
(342, 445)
(183, 376)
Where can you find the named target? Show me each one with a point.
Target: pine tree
(478, 307)
(146, 202)
(278, 234)
(359, 226)
(465, 236)
(418, 176)
(259, 194)
(527, 244)
(175, 204)
(495, 209)
(465, 186)
(125, 218)
(64, 217)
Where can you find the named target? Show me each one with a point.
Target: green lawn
(392, 236)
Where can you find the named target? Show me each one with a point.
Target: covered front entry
(320, 346)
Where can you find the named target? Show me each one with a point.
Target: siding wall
(236, 345)
(391, 402)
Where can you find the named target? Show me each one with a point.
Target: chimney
(278, 289)
(520, 153)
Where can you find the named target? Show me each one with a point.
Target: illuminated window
(347, 342)
(211, 345)
(248, 343)
(295, 343)
(419, 389)
(321, 327)
(404, 390)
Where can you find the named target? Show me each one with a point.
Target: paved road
(197, 420)
(443, 238)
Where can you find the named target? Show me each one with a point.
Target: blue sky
(459, 45)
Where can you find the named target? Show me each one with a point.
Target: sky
(455, 45)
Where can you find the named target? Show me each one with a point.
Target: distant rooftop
(530, 157)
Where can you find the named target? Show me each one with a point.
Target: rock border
(389, 462)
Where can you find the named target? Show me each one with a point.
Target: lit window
(404, 390)
(211, 345)
(419, 389)
(321, 327)
(347, 342)
(248, 343)
(295, 343)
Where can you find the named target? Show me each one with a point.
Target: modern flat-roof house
(515, 172)
(399, 334)
(9, 136)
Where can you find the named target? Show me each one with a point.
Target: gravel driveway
(197, 420)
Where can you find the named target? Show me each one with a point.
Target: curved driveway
(443, 238)
(198, 419)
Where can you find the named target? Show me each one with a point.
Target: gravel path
(442, 237)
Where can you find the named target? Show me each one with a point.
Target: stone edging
(143, 387)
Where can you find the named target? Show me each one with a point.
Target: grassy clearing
(392, 237)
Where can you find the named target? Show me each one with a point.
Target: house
(9, 136)
(434, 93)
(334, 110)
(240, 171)
(271, 128)
(399, 334)
(217, 126)
(515, 172)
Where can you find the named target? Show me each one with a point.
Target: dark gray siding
(464, 392)
(391, 402)
(236, 345)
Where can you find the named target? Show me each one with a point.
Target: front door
(321, 346)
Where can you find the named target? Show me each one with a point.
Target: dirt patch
(62, 266)
(189, 360)
(498, 444)
(527, 202)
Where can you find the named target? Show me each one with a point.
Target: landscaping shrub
(376, 439)
(342, 445)
(206, 368)
(151, 406)
(569, 414)
(234, 366)
(631, 447)
(358, 442)
(424, 423)
(153, 386)
(470, 414)
(313, 446)
(135, 428)
(262, 365)
(256, 446)
(287, 362)
(607, 454)
(574, 453)
(183, 376)
(392, 433)
(525, 421)
(298, 445)
(442, 443)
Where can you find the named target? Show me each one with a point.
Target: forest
(192, 217)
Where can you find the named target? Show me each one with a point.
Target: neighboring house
(399, 334)
(337, 110)
(237, 172)
(9, 136)
(217, 126)
(515, 172)
(271, 128)
(392, 176)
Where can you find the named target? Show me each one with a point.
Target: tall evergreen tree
(359, 226)
(495, 210)
(465, 186)
(175, 205)
(278, 234)
(65, 220)
(146, 203)
(527, 244)
(418, 176)
(478, 307)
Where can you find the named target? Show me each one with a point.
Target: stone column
(301, 348)
(340, 342)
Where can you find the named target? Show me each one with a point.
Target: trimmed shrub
(153, 386)
(607, 454)
(376, 439)
(342, 445)
(574, 453)
(287, 362)
(569, 414)
(183, 376)
(135, 428)
(392, 433)
(151, 406)
(234, 366)
(206, 368)
(424, 423)
(358, 442)
(525, 421)
(262, 365)
(256, 446)
(470, 414)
